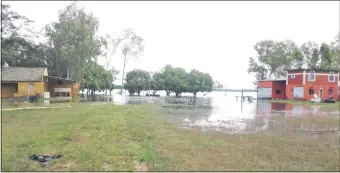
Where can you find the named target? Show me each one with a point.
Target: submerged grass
(335, 105)
(106, 137)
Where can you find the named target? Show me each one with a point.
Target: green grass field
(107, 137)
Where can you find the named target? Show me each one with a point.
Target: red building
(272, 89)
(301, 85)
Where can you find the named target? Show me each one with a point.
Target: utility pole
(149, 86)
(225, 87)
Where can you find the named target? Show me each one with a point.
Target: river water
(227, 113)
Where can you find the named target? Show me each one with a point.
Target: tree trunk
(195, 94)
(68, 74)
(110, 92)
(167, 93)
(138, 92)
(121, 90)
(177, 94)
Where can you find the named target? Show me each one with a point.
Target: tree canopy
(136, 81)
(171, 79)
(71, 49)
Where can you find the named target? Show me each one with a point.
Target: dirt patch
(140, 167)
(82, 139)
(62, 167)
(107, 166)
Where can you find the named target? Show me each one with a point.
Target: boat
(330, 100)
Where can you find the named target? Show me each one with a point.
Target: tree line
(70, 48)
(171, 79)
(275, 57)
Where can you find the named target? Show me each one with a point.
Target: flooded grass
(106, 137)
(333, 105)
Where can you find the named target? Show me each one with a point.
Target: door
(265, 93)
(298, 92)
(320, 93)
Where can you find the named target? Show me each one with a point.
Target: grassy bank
(106, 137)
(335, 105)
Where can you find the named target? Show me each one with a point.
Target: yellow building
(23, 81)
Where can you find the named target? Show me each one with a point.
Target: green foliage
(157, 82)
(74, 41)
(177, 80)
(17, 48)
(71, 50)
(136, 81)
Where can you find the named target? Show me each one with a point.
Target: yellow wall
(75, 89)
(23, 90)
(8, 89)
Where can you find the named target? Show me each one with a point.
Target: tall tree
(136, 81)
(109, 47)
(17, 47)
(74, 40)
(310, 52)
(325, 56)
(335, 45)
(157, 82)
(131, 48)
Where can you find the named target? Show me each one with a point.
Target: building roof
(311, 69)
(22, 74)
(273, 80)
(59, 78)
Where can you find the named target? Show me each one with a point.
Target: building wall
(264, 89)
(325, 91)
(265, 84)
(298, 80)
(8, 90)
(55, 84)
(38, 87)
(279, 85)
(321, 78)
(321, 82)
(75, 89)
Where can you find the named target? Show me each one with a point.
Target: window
(292, 76)
(278, 91)
(311, 76)
(331, 77)
(330, 92)
(311, 91)
(30, 85)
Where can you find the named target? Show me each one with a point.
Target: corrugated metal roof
(312, 69)
(59, 78)
(273, 80)
(24, 74)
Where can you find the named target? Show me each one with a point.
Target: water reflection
(229, 113)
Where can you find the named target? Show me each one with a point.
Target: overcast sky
(214, 37)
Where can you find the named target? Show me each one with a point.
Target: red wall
(321, 81)
(265, 84)
(325, 89)
(281, 85)
(298, 80)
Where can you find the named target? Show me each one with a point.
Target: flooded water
(225, 112)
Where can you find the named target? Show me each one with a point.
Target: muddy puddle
(226, 113)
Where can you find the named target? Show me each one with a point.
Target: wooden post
(242, 93)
